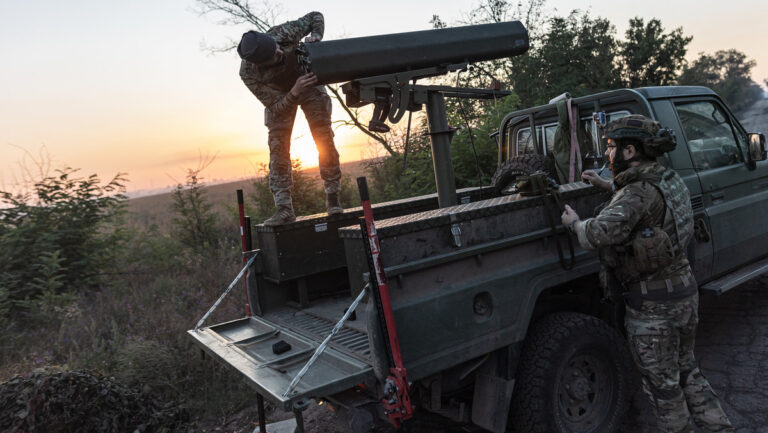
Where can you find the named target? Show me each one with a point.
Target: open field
(156, 209)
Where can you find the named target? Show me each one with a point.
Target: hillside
(155, 209)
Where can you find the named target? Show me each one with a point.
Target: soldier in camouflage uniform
(642, 235)
(269, 68)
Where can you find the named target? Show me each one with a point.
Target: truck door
(735, 198)
(700, 251)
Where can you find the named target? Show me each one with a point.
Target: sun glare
(302, 144)
(303, 148)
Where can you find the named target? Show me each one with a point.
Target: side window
(549, 135)
(524, 141)
(710, 136)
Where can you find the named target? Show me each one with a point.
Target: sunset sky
(124, 86)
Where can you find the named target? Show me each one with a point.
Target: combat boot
(283, 215)
(332, 204)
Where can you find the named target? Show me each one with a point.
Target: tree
(194, 220)
(577, 54)
(651, 57)
(62, 236)
(727, 72)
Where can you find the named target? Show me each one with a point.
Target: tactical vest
(661, 236)
(678, 221)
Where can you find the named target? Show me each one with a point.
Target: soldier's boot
(283, 215)
(332, 204)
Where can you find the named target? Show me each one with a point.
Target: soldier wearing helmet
(642, 235)
(270, 70)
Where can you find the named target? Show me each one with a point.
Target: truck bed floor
(316, 322)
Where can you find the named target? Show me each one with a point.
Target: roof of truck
(640, 94)
(662, 92)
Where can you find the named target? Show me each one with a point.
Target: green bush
(60, 238)
(194, 220)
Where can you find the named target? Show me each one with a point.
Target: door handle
(717, 195)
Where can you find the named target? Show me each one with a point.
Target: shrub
(61, 237)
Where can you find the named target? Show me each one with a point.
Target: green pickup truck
(500, 323)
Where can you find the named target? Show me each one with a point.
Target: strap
(575, 159)
(555, 195)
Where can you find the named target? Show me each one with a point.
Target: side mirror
(757, 150)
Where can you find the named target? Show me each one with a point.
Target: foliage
(727, 72)
(577, 55)
(61, 237)
(473, 152)
(194, 220)
(79, 401)
(651, 57)
(307, 193)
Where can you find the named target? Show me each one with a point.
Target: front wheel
(575, 375)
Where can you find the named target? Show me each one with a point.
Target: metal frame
(529, 114)
(400, 92)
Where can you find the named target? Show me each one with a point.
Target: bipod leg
(262, 415)
(300, 406)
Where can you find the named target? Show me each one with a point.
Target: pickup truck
(499, 314)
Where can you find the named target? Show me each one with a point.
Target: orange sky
(124, 86)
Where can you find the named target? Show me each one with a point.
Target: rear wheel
(575, 375)
(510, 172)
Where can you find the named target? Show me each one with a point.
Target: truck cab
(728, 185)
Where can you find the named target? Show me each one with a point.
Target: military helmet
(256, 47)
(655, 140)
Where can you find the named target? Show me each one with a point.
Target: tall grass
(131, 321)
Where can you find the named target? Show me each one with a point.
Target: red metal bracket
(396, 401)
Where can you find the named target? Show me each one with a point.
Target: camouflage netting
(82, 402)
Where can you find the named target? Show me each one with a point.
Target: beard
(618, 164)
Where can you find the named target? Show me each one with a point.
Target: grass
(133, 326)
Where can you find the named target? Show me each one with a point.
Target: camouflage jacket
(272, 84)
(640, 203)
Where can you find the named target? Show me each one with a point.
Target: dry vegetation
(148, 282)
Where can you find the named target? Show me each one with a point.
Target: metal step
(742, 275)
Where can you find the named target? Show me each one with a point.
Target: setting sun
(302, 144)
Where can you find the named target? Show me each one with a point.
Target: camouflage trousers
(661, 336)
(316, 106)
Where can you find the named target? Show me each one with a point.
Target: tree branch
(355, 121)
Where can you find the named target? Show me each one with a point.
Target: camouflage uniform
(272, 85)
(660, 323)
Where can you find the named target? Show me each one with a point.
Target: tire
(575, 375)
(516, 167)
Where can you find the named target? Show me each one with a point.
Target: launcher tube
(354, 58)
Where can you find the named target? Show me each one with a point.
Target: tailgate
(246, 345)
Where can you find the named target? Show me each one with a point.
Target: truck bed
(316, 322)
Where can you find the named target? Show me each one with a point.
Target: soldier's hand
(591, 177)
(569, 216)
(312, 38)
(303, 83)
